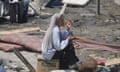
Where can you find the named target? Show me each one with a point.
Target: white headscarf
(47, 41)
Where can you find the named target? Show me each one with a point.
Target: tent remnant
(76, 2)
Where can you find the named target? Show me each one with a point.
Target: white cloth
(47, 41)
(13, 1)
(76, 2)
(51, 41)
(57, 44)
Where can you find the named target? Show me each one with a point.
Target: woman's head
(59, 19)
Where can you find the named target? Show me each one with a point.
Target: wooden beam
(109, 62)
(24, 60)
(113, 61)
(22, 30)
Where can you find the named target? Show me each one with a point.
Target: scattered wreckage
(78, 42)
(4, 9)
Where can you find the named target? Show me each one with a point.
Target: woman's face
(61, 20)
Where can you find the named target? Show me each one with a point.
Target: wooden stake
(97, 7)
(63, 8)
(22, 30)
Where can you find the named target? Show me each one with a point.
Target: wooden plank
(24, 60)
(22, 30)
(44, 65)
(113, 61)
(108, 62)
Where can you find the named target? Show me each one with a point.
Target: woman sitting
(57, 43)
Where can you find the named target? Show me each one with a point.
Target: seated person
(57, 43)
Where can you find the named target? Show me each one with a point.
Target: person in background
(13, 10)
(18, 11)
(51, 3)
(2, 68)
(25, 10)
(54, 3)
(6, 12)
(57, 43)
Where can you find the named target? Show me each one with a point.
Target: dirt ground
(102, 28)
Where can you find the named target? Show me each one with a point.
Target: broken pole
(24, 60)
(97, 7)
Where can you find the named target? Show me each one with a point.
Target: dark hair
(60, 20)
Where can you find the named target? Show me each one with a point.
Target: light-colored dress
(59, 42)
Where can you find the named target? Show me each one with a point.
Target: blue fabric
(64, 35)
(21, 9)
(2, 69)
(57, 39)
(105, 69)
(54, 3)
(25, 10)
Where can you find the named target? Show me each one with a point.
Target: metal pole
(22, 58)
(97, 7)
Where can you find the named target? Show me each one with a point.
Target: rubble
(104, 28)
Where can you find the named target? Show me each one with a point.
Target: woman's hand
(70, 37)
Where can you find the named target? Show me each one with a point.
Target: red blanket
(8, 47)
(81, 43)
(20, 40)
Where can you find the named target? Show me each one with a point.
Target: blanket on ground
(20, 40)
(32, 42)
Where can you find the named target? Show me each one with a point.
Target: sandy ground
(103, 28)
